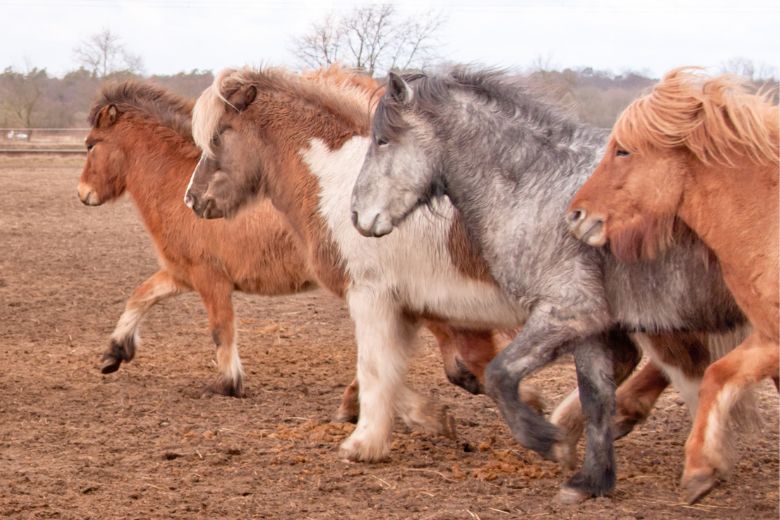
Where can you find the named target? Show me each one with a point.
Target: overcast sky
(180, 35)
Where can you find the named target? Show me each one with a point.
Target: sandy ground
(143, 443)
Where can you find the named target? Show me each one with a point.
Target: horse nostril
(354, 218)
(576, 216)
(190, 200)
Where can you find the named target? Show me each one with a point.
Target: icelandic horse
(272, 134)
(141, 143)
(510, 164)
(703, 150)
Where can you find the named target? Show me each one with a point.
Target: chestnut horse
(704, 150)
(271, 133)
(140, 142)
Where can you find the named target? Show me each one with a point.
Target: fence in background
(42, 140)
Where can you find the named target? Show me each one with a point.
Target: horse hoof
(344, 415)
(358, 450)
(570, 496)
(623, 427)
(225, 388)
(110, 364)
(696, 486)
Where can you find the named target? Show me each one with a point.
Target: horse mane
(716, 118)
(342, 93)
(147, 100)
(509, 94)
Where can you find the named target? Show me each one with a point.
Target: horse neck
(295, 192)
(522, 161)
(734, 210)
(157, 173)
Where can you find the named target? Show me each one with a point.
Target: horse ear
(108, 116)
(398, 89)
(243, 97)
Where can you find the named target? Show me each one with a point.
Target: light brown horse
(299, 144)
(141, 143)
(703, 150)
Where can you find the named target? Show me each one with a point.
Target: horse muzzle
(371, 224)
(205, 207)
(87, 195)
(588, 228)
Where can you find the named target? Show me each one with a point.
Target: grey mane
(147, 100)
(507, 95)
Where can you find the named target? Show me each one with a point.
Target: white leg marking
(383, 338)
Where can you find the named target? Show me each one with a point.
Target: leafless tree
(104, 53)
(21, 92)
(370, 38)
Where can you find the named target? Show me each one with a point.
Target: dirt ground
(143, 443)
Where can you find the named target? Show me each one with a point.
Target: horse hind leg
(724, 381)
(216, 298)
(125, 339)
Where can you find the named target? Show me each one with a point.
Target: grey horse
(510, 163)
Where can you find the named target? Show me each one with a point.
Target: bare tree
(21, 92)
(369, 38)
(320, 46)
(104, 53)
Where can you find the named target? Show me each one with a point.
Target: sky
(179, 35)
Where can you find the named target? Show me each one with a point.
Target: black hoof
(465, 379)
(623, 427)
(345, 416)
(589, 486)
(110, 364)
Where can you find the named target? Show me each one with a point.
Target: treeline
(36, 100)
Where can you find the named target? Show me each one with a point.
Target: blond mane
(716, 118)
(345, 94)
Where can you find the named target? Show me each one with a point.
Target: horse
(141, 143)
(702, 150)
(270, 134)
(510, 163)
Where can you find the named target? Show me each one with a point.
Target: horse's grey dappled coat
(510, 164)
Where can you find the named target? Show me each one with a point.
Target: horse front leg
(216, 296)
(125, 338)
(568, 415)
(593, 359)
(384, 336)
(755, 359)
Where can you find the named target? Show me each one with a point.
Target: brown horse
(705, 151)
(301, 144)
(140, 142)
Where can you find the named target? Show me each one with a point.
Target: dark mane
(496, 87)
(147, 100)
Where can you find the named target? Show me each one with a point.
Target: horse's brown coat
(703, 150)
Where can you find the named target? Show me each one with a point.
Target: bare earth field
(143, 443)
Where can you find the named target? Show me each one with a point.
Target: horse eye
(621, 153)
(381, 141)
(90, 146)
